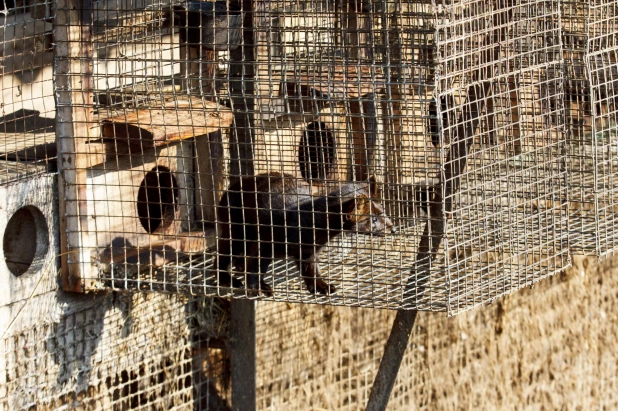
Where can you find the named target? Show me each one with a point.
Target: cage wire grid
(332, 373)
(490, 129)
(509, 227)
(589, 98)
(455, 110)
(603, 66)
(27, 108)
(117, 352)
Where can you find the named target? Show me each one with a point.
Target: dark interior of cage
(191, 96)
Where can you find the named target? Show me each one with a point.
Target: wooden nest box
(139, 197)
(327, 126)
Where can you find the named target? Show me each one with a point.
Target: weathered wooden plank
(177, 120)
(116, 190)
(73, 69)
(286, 133)
(28, 146)
(186, 242)
(28, 226)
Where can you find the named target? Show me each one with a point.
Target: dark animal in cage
(274, 215)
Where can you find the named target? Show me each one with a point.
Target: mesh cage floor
(363, 276)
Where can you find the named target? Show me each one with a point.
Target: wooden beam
(73, 62)
(178, 120)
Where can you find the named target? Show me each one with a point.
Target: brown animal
(274, 215)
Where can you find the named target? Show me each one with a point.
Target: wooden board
(113, 191)
(28, 146)
(186, 242)
(277, 144)
(339, 83)
(73, 56)
(176, 120)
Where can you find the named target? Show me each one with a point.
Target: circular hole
(316, 153)
(157, 199)
(26, 239)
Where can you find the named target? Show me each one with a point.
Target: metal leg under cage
(242, 354)
(391, 360)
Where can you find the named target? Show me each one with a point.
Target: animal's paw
(266, 289)
(320, 286)
(263, 289)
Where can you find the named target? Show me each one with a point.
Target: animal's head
(363, 213)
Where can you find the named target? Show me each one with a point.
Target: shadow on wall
(27, 121)
(122, 351)
(75, 338)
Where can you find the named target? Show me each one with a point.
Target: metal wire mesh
(27, 108)
(431, 136)
(326, 357)
(589, 46)
(115, 352)
(507, 154)
(603, 66)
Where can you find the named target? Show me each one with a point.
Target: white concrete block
(29, 232)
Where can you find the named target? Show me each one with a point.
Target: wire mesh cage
(590, 42)
(603, 66)
(221, 148)
(27, 108)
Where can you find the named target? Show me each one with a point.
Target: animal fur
(274, 215)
